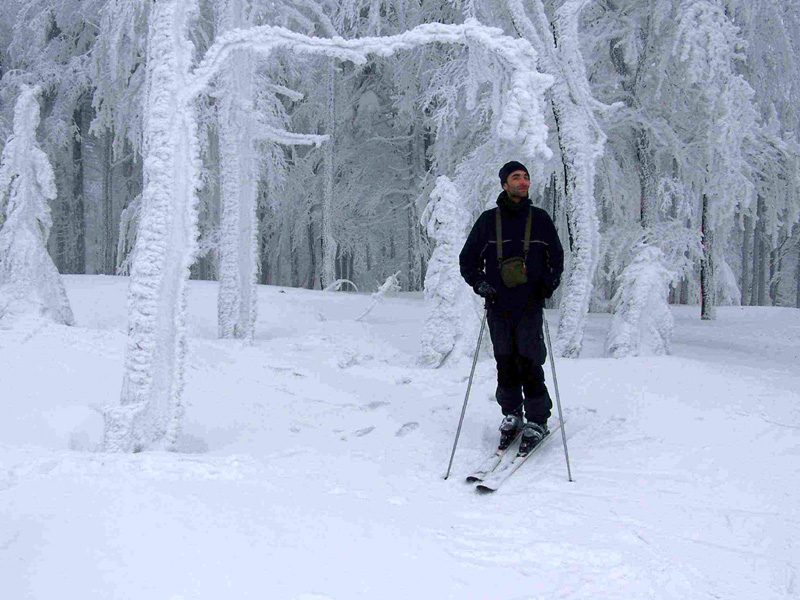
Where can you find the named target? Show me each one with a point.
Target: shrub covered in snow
(643, 323)
(447, 297)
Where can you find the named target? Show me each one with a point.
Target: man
(515, 280)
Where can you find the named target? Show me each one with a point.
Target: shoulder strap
(527, 244)
(499, 232)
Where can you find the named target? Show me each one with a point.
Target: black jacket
(545, 263)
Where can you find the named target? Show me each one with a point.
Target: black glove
(485, 290)
(549, 286)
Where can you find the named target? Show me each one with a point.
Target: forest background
(319, 154)
(398, 123)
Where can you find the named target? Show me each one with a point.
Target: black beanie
(509, 168)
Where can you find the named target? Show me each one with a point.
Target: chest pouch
(512, 270)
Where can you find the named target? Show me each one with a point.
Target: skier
(514, 277)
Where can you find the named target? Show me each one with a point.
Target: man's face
(517, 184)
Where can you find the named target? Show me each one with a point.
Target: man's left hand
(549, 286)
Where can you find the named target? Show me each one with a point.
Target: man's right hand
(485, 290)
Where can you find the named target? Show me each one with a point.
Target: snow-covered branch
(522, 116)
(388, 289)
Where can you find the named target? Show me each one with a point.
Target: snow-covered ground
(312, 464)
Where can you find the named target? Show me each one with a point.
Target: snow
(310, 463)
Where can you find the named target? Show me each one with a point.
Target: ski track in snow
(311, 464)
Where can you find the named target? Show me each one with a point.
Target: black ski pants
(520, 352)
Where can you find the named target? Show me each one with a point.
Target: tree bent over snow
(150, 408)
(29, 281)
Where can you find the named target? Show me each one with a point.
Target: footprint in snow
(365, 431)
(376, 404)
(407, 428)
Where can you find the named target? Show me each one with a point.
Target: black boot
(532, 434)
(509, 429)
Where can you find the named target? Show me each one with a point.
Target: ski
(497, 477)
(490, 464)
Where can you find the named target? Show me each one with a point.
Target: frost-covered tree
(238, 169)
(709, 46)
(679, 135)
(643, 323)
(249, 123)
(150, 409)
(581, 140)
(448, 300)
(29, 281)
(53, 45)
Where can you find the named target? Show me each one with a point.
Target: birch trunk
(96, 193)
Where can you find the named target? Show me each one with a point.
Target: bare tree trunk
(684, 295)
(95, 164)
(328, 241)
(411, 250)
(707, 282)
(350, 263)
(69, 236)
(797, 279)
(759, 295)
(312, 270)
(647, 200)
(109, 221)
(774, 275)
(747, 248)
(294, 263)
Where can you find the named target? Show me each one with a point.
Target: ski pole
(466, 398)
(558, 397)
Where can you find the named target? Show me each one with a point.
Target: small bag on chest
(512, 270)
